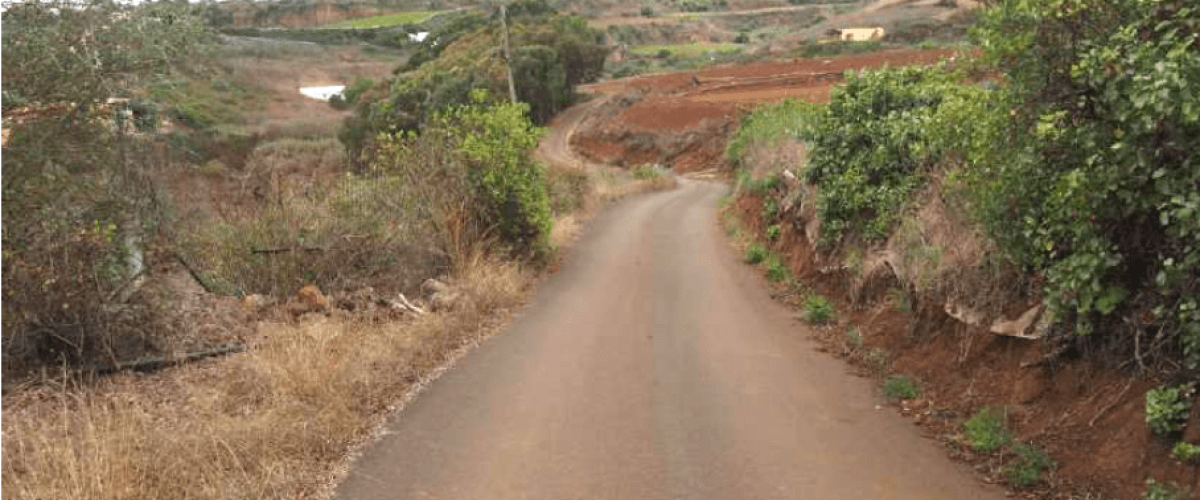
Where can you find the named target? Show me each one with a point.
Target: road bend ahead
(654, 366)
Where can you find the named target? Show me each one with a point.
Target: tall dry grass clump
(267, 424)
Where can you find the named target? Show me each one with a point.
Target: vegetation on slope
(1071, 146)
(78, 198)
(1073, 178)
(551, 54)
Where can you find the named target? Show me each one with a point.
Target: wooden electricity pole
(512, 88)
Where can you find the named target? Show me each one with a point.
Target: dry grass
(271, 423)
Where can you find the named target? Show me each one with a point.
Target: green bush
(497, 141)
(777, 271)
(1162, 491)
(901, 387)
(647, 11)
(853, 338)
(817, 309)
(1186, 452)
(986, 431)
(1167, 408)
(755, 253)
(871, 147)
(767, 126)
(1091, 176)
(770, 208)
(773, 231)
(1026, 469)
(645, 172)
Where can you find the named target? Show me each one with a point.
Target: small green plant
(1163, 491)
(772, 231)
(777, 272)
(877, 359)
(647, 11)
(760, 186)
(645, 172)
(899, 300)
(817, 309)
(1027, 468)
(854, 261)
(770, 208)
(1186, 452)
(986, 431)
(1167, 408)
(901, 387)
(755, 253)
(853, 338)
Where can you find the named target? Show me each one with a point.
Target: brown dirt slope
(1088, 416)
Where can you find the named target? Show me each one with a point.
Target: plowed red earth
(683, 119)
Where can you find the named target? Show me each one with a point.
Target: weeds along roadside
(960, 192)
(275, 421)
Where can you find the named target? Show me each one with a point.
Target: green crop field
(386, 20)
(686, 50)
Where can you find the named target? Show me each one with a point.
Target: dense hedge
(1073, 142)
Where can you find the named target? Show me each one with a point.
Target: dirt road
(654, 366)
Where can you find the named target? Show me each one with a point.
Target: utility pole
(512, 88)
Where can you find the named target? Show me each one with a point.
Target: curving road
(654, 366)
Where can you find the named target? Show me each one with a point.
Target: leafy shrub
(817, 309)
(899, 300)
(901, 387)
(773, 231)
(767, 126)
(755, 253)
(1167, 408)
(1186, 452)
(839, 48)
(1162, 491)
(80, 204)
(777, 271)
(870, 147)
(496, 142)
(986, 431)
(645, 172)
(853, 338)
(1091, 177)
(1028, 465)
(647, 11)
(770, 208)
(552, 53)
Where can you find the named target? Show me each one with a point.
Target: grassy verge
(386, 20)
(267, 424)
(686, 50)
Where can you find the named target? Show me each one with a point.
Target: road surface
(654, 366)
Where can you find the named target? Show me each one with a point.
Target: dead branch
(286, 250)
(1109, 406)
